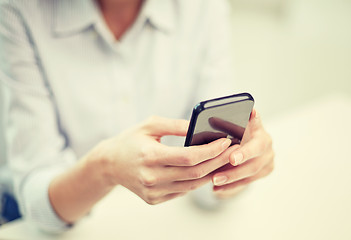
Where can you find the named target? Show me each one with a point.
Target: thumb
(159, 126)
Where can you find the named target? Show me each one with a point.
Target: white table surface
(308, 196)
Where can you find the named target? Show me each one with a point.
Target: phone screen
(225, 117)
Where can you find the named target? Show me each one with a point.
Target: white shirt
(67, 84)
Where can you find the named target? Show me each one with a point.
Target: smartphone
(225, 117)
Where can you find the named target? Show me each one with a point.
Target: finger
(243, 171)
(190, 185)
(166, 174)
(159, 126)
(182, 173)
(182, 186)
(253, 113)
(255, 147)
(156, 193)
(228, 187)
(255, 121)
(252, 149)
(165, 198)
(193, 155)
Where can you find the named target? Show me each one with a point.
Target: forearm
(76, 191)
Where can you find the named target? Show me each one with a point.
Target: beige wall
(291, 52)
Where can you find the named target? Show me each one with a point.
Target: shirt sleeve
(216, 75)
(37, 149)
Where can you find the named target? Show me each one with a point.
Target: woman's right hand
(155, 172)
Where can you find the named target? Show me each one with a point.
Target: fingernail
(238, 158)
(226, 143)
(220, 180)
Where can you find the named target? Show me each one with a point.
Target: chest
(100, 90)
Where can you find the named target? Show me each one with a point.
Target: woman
(81, 77)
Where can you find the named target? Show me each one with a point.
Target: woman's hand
(156, 173)
(249, 161)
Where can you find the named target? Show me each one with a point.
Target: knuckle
(150, 196)
(193, 186)
(247, 153)
(153, 200)
(266, 141)
(187, 160)
(148, 179)
(196, 173)
(147, 154)
(215, 151)
(262, 145)
(189, 186)
(152, 120)
(246, 181)
(254, 169)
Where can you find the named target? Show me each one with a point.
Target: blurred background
(289, 52)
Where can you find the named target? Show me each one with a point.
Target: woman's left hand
(250, 161)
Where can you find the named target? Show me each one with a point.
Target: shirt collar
(161, 14)
(74, 16)
(71, 17)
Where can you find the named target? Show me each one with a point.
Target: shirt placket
(123, 93)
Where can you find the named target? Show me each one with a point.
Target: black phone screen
(225, 117)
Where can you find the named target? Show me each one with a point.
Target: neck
(120, 14)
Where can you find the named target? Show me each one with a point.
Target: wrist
(73, 193)
(100, 163)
